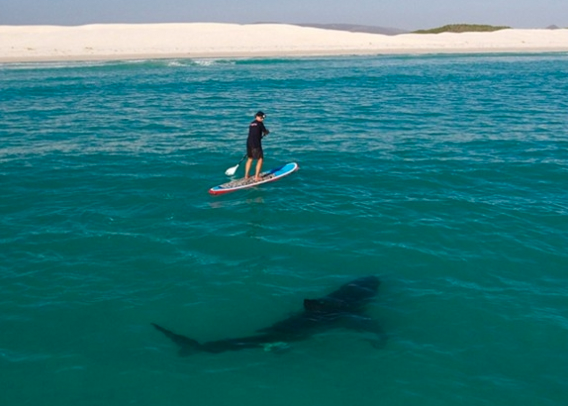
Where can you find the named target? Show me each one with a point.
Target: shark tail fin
(187, 345)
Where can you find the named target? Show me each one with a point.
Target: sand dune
(133, 41)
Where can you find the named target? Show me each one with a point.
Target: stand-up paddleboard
(265, 177)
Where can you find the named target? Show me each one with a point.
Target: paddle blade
(231, 171)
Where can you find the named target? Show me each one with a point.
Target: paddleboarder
(257, 131)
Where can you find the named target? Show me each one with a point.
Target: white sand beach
(213, 40)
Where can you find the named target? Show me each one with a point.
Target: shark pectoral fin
(380, 344)
(278, 347)
(187, 345)
(379, 341)
(379, 338)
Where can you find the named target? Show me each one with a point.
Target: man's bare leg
(247, 167)
(258, 169)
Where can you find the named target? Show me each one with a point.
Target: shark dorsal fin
(323, 305)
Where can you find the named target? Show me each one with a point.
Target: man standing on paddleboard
(257, 130)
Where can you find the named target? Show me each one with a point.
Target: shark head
(352, 296)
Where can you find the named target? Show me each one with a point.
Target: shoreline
(116, 42)
(261, 55)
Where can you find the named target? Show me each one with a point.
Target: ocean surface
(446, 176)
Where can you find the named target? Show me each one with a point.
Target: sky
(402, 14)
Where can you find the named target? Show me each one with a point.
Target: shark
(344, 308)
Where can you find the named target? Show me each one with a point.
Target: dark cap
(260, 114)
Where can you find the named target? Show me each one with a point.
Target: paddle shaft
(242, 159)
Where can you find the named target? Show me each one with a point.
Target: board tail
(187, 346)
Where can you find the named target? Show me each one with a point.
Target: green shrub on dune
(462, 28)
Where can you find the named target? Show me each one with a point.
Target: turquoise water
(444, 175)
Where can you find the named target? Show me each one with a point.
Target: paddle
(233, 169)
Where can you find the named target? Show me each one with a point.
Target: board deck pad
(242, 183)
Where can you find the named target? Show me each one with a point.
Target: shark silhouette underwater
(343, 308)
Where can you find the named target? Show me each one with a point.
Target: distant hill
(371, 29)
(462, 28)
